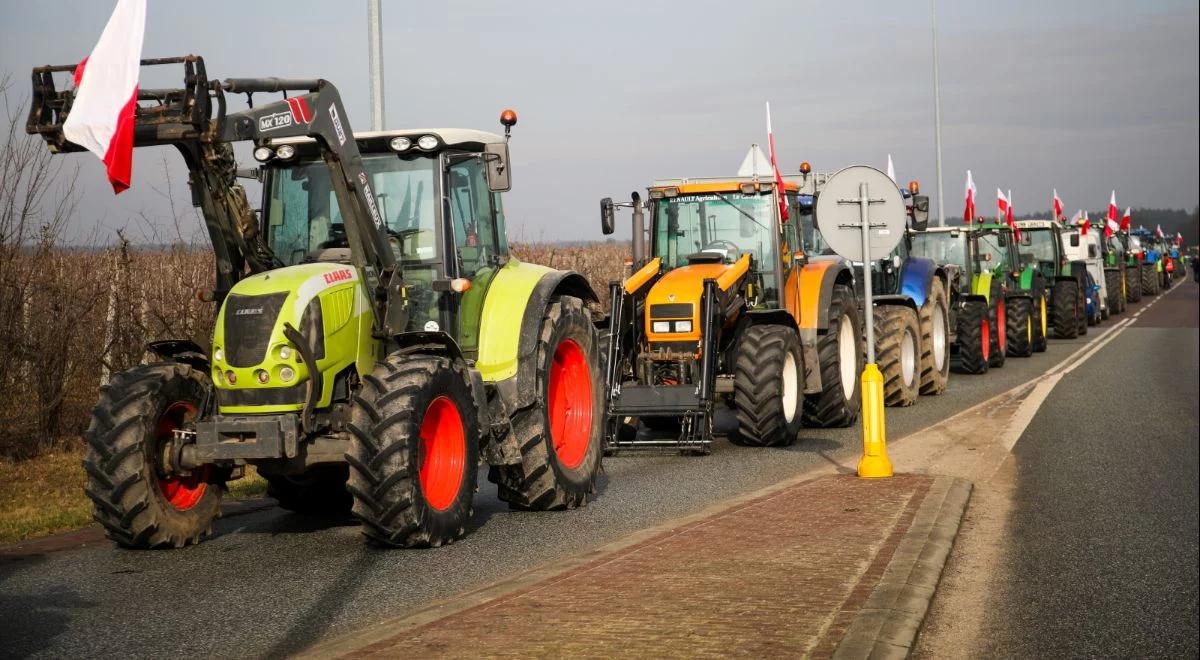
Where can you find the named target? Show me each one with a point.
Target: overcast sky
(1079, 95)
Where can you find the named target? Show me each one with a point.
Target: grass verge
(44, 495)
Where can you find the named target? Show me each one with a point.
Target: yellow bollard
(874, 461)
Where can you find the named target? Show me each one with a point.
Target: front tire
(998, 316)
(768, 386)
(840, 352)
(414, 451)
(1149, 280)
(897, 351)
(935, 338)
(135, 498)
(1133, 284)
(560, 436)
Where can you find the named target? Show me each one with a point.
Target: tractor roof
(949, 229)
(693, 185)
(1038, 224)
(465, 138)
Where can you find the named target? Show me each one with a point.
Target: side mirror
(1002, 240)
(499, 177)
(607, 216)
(1074, 240)
(255, 173)
(799, 259)
(920, 215)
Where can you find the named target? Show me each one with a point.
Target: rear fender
(916, 278)
(896, 300)
(817, 279)
(981, 285)
(516, 383)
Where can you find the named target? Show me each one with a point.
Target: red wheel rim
(569, 406)
(443, 453)
(181, 492)
(987, 339)
(1001, 327)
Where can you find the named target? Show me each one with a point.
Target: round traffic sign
(838, 213)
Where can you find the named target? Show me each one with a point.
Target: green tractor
(374, 340)
(1063, 283)
(995, 316)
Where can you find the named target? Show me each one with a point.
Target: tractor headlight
(661, 326)
(218, 355)
(286, 374)
(285, 353)
(286, 152)
(427, 142)
(400, 144)
(263, 154)
(683, 326)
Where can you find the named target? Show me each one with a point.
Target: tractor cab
(1041, 245)
(439, 203)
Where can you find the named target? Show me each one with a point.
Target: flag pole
(375, 61)
(937, 120)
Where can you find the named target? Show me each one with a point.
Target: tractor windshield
(944, 247)
(1037, 246)
(729, 224)
(303, 217)
(991, 252)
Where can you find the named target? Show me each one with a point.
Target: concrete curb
(888, 623)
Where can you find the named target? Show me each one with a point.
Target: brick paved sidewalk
(780, 575)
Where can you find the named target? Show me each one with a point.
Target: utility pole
(375, 60)
(937, 121)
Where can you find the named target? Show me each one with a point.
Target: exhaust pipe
(639, 232)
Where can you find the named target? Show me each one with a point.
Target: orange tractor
(717, 313)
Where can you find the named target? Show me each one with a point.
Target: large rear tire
(414, 451)
(1149, 280)
(319, 490)
(974, 337)
(137, 500)
(1112, 283)
(1041, 318)
(1020, 327)
(768, 386)
(935, 340)
(897, 352)
(1133, 283)
(1065, 300)
(840, 351)
(998, 316)
(560, 436)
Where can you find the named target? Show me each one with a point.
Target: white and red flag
(102, 115)
(1126, 220)
(969, 211)
(1158, 231)
(1178, 238)
(1112, 206)
(1077, 218)
(1008, 211)
(1111, 226)
(1001, 205)
(783, 210)
(1085, 224)
(1058, 207)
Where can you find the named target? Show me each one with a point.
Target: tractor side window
(471, 211)
(993, 255)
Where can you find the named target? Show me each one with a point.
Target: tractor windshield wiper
(739, 209)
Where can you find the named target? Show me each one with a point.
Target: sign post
(863, 228)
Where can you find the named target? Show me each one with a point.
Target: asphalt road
(272, 582)
(1101, 553)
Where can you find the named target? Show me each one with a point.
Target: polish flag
(1126, 220)
(1058, 207)
(1008, 212)
(891, 169)
(102, 116)
(1110, 227)
(969, 211)
(1001, 205)
(1112, 206)
(1178, 238)
(1158, 231)
(1085, 225)
(783, 210)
